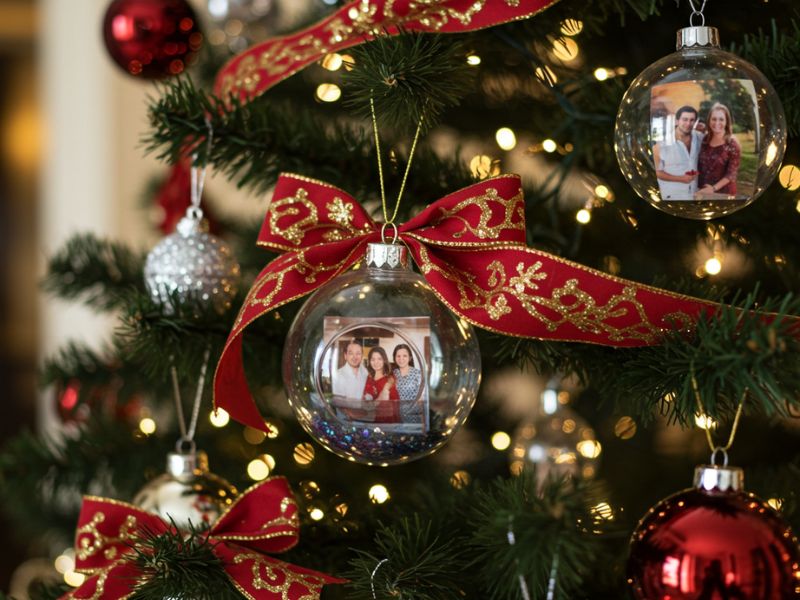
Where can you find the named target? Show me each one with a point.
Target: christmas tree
(374, 120)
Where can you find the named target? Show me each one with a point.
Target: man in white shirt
(351, 378)
(676, 158)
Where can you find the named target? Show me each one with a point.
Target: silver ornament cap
(192, 265)
(713, 478)
(697, 37)
(387, 257)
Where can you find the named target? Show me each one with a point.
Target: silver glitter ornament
(193, 265)
(188, 493)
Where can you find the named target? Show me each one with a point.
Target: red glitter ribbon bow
(263, 520)
(258, 68)
(470, 247)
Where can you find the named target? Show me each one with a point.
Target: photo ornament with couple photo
(374, 372)
(705, 140)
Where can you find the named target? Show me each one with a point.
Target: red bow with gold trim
(263, 520)
(258, 68)
(470, 247)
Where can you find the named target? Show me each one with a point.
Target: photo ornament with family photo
(705, 139)
(373, 372)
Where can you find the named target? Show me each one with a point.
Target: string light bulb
(257, 469)
(473, 60)
(328, 92)
(506, 138)
(147, 426)
(789, 177)
(219, 417)
(378, 494)
(713, 266)
(501, 440)
(549, 145)
(583, 216)
(601, 74)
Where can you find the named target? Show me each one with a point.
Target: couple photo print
(705, 139)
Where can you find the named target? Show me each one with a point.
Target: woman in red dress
(720, 155)
(381, 387)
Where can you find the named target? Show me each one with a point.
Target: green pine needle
(411, 77)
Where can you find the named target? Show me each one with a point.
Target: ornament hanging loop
(185, 446)
(395, 233)
(719, 449)
(697, 13)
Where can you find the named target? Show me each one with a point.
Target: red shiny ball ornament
(151, 38)
(714, 542)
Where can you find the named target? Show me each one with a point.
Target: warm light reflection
(473, 60)
(583, 216)
(73, 579)
(789, 177)
(704, 422)
(257, 470)
(316, 514)
(589, 448)
(378, 494)
(332, 62)
(601, 74)
(303, 454)
(549, 145)
(506, 138)
(328, 92)
(565, 49)
(546, 75)
(571, 26)
(713, 266)
(501, 440)
(147, 426)
(219, 417)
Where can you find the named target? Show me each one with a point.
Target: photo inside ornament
(372, 371)
(705, 140)
(700, 133)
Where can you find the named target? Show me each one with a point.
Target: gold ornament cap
(713, 478)
(697, 37)
(387, 257)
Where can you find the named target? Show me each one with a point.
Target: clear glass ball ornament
(188, 494)
(700, 133)
(557, 442)
(192, 265)
(376, 368)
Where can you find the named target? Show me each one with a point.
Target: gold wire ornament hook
(734, 427)
(386, 217)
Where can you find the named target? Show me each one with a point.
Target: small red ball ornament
(714, 541)
(151, 38)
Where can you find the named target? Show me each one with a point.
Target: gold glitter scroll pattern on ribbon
(567, 305)
(273, 576)
(512, 210)
(91, 541)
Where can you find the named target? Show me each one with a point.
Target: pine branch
(412, 78)
(98, 272)
(176, 565)
(41, 481)
(777, 55)
(418, 564)
(556, 534)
